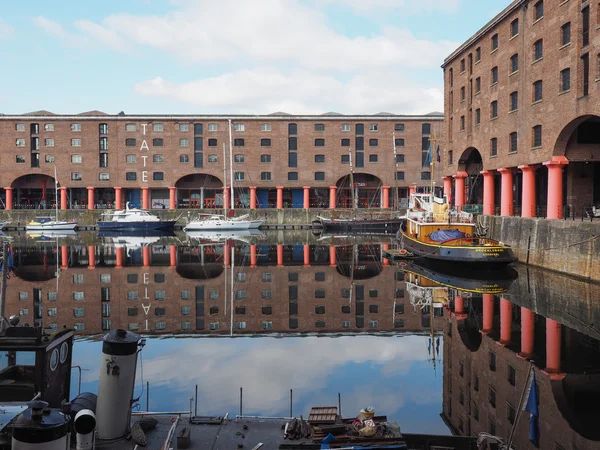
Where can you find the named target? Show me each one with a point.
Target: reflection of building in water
(488, 342)
(166, 289)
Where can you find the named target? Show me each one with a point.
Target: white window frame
(20, 127)
(212, 127)
(130, 127)
(128, 158)
(76, 142)
(104, 176)
(239, 127)
(49, 142)
(76, 159)
(184, 142)
(345, 127)
(48, 127)
(184, 127)
(373, 127)
(265, 127)
(158, 127)
(20, 142)
(76, 127)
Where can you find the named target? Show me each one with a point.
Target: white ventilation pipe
(85, 424)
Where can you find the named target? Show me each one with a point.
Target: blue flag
(9, 261)
(439, 157)
(532, 407)
(429, 157)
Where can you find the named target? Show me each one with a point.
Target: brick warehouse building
(522, 108)
(280, 161)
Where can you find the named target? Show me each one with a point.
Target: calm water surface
(438, 352)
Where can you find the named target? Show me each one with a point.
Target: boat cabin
(430, 220)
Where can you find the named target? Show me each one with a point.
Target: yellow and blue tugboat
(433, 231)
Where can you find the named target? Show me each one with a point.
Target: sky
(232, 56)
(392, 374)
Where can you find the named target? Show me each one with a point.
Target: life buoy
(402, 252)
(402, 264)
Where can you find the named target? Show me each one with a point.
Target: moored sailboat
(51, 223)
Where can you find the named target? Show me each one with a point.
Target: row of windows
(185, 142)
(198, 127)
(565, 39)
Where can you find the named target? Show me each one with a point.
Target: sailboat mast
(396, 196)
(232, 286)
(56, 193)
(232, 205)
(224, 177)
(433, 167)
(352, 181)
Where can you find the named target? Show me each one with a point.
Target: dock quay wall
(568, 246)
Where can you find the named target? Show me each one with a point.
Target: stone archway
(577, 398)
(199, 190)
(579, 144)
(367, 191)
(471, 162)
(33, 191)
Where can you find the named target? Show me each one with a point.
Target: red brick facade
(164, 149)
(538, 63)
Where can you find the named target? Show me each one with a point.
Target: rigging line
(575, 243)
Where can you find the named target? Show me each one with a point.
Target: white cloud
(372, 7)
(279, 55)
(264, 91)
(50, 26)
(7, 31)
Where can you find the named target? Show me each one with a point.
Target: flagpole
(519, 410)
(432, 165)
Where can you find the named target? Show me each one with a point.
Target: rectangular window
(130, 142)
(373, 127)
(477, 116)
(265, 158)
(184, 127)
(512, 375)
(494, 109)
(514, 28)
(494, 75)
(492, 397)
(373, 142)
(213, 158)
(78, 312)
(565, 80)
(319, 127)
(239, 127)
(20, 127)
(158, 158)
(372, 158)
(344, 143)
(157, 142)
(399, 176)
(462, 65)
(184, 142)
(538, 49)
(238, 176)
(184, 159)
(52, 295)
(586, 74)
(514, 101)
(345, 127)
(514, 63)
(198, 128)
(78, 278)
(75, 142)
(292, 129)
(463, 94)
(494, 42)
(292, 143)
(359, 143)
(20, 143)
(426, 176)
(494, 147)
(462, 123)
(292, 176)
(536, 136)
(130, 159)
(212, 142)
(537, 91)
(103, 176)
(75, 127)
(239, 158)
(78, 296)
(292, 159)
(212, 127)
(319, 158)
(20, 159)
(265, 142)
(158, 176)
(198, 159)
(158, 127)
(477, 85)
(238, 142)
(450, 157)
(76, 176)
(265, 176)
(585, 26)
(199, 143)
(513, 142)
(319, 176)
(538, 10)
(478, 54)
(130, 176)
(49, 142)
(265, 127)
(345, 159)
(399, 142)
(399, 127)
(130, 127)
(565, 34)
(319, 142)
